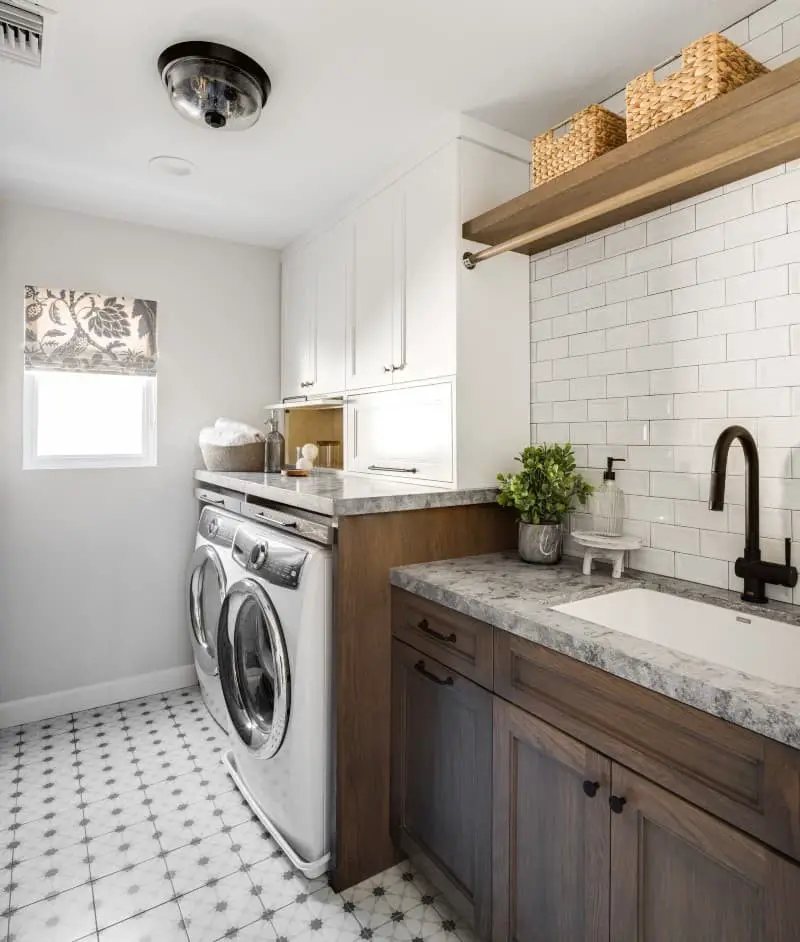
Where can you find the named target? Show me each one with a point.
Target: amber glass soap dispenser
(608, 504)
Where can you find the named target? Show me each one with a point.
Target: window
(87, 420)
(90, 384)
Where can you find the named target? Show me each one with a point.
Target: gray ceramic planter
(540, 543)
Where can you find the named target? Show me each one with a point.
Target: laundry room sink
(753, 644)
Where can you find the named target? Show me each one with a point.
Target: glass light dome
(214, 85)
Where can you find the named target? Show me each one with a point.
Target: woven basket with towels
(232, 446)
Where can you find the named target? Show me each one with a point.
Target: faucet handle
(788, 545)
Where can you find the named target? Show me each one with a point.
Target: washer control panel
(271, 560)
(218, 527)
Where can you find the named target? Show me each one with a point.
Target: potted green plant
(546, 489)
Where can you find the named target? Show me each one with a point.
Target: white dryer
(208, 583)
(275, 661)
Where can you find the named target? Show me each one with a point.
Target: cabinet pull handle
(306, 385)
(616, 804)
(419, 667)
(447, 639)
(388, 369)
(381, 467)
(591, 788)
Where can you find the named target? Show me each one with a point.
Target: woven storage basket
(711, 67)
(234, 457)
(594, 131)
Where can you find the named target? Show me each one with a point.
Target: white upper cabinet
(375, 309)
(333, 267)
(297, 290)
(425, 341)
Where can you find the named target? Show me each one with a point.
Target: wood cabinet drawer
(461, 643)
(749, 781)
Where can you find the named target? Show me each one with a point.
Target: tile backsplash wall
(649, 338)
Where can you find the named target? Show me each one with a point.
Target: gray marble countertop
(341, 495)
(503, 591)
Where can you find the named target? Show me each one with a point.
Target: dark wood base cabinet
(536, 834)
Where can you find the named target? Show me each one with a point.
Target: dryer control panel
(218, 527)
(274, 561)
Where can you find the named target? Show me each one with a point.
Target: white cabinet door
(333, 267)
(297, 316)
(425, 338)
(402, 433)
(376, 292)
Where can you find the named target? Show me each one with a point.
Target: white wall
(93, 563)
(649, 338)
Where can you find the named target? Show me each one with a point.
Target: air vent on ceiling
(21, 34)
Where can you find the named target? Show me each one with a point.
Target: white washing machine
(275, 661)
(208, 583)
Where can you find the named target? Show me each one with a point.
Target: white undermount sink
(758, 646)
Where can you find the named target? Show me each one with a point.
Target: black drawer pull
(447, 639)
(591, 788)
(616, 804)
(419, 667)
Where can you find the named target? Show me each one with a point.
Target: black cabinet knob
(591, 788)
(616, 804)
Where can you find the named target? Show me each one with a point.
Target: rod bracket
(469, 261)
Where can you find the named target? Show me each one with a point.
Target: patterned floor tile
(252, 842)
(113, 814)
(278, 883)
(162, 924)
(426, 923)
(46, 835)
(156, 769)
(202, 861)
(389, 895)
(319, 918)
(234, 809)
(48, 874)
(111, 784)
(47, 728)
(119, 849)
(132, 891)
(260, 931)
(63, 918)
(177, 828)
(216, 781)
(174, 794)
(215, 912)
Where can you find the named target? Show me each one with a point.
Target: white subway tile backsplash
(726, 320)
(739, 32)
(678, 539)
(572, 411)
(779, 371)
(650, 407)
(737, 375)
(593, 387)
(726, 264)
(791, 30)
(601, 364)
(766, 46)
(771, 15)
(767, 283)
(754, 228)
(702, 350)
(699, 297)
(697, 244)
(776, 312)
(672, 277)
(608, 410)
(610, 315)
(680, 327)
(758, 344)
(725, 207)
(628, 384)
(651, 337)
(681, 379)
(705, 405)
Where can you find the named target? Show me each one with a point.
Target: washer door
(207, 585)
(254, 667)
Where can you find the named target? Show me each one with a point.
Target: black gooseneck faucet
(751, 568)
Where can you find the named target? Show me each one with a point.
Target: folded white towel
(230, 432)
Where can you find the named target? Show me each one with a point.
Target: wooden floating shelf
(751, 129)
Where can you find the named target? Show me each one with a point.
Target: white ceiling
(355, 84)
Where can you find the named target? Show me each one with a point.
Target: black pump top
(608, 474)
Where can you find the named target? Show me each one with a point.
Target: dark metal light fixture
(215, 85)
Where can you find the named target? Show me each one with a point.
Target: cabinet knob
(616, 804)
(591, 788)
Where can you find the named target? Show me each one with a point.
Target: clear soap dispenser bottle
(275, 446)
(608, 504)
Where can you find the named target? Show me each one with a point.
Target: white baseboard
(31, 709)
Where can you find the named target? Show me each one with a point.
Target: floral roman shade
(78, 331)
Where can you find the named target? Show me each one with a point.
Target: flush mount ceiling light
(214, 85)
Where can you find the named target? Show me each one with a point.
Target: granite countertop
(505, 592)
(341, 495)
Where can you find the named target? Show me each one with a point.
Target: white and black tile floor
(120, 825)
